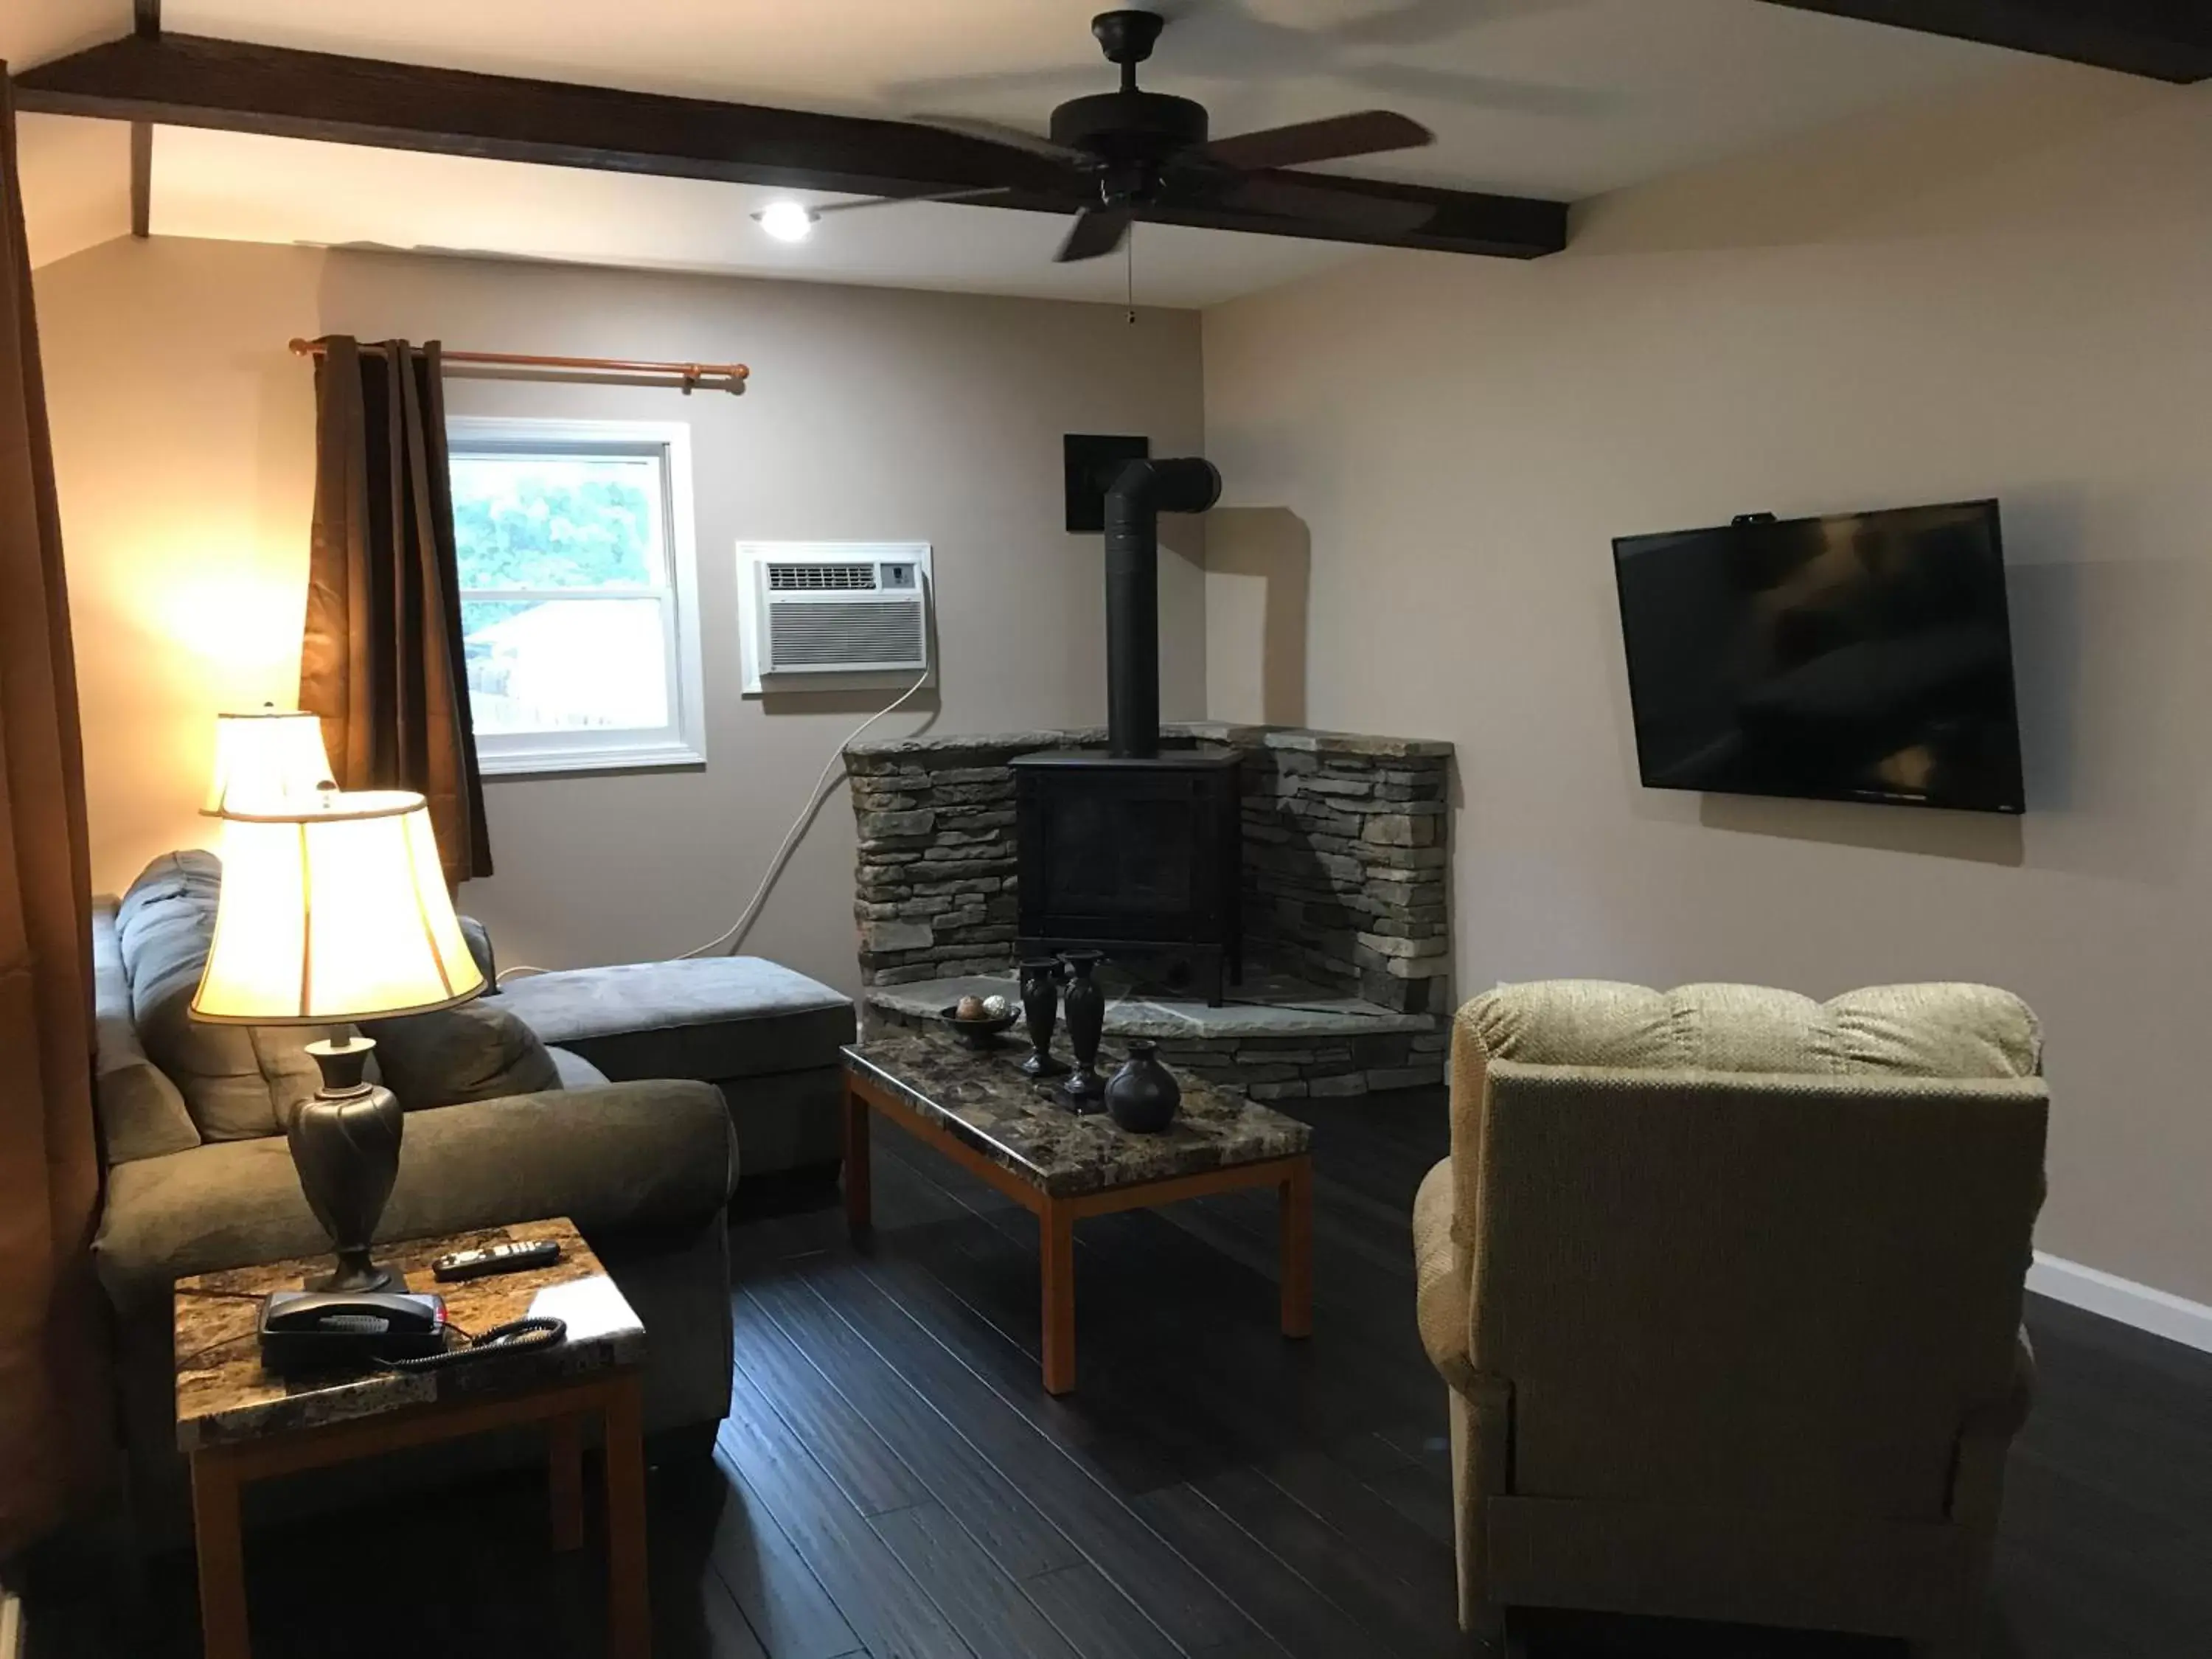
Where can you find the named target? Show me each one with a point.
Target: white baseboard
(2160, 1312)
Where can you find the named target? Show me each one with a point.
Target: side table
(238, 1424)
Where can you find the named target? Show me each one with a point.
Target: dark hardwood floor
(893, 1482)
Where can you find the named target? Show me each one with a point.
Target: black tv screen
(1866, 658)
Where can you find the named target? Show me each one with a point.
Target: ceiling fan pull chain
(1129, 272)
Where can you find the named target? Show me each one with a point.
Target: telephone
(383, 1330)
(339, 1330)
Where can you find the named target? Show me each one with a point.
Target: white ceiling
(1558, 98)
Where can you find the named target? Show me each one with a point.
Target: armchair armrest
(1986, 1437)
(630, 1157)
(1443, 1274)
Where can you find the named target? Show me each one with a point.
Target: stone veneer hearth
(1346, 893)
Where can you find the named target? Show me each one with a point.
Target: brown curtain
(381, 661)
(53, 1411)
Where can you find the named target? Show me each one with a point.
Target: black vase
(1085, 1003)
(1143, 1095)
(1041, 1009)
(345, 1147)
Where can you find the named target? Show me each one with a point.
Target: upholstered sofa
(1726, 1286)
(199, 1176)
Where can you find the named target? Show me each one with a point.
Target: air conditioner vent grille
(821, 578)
(859, 635)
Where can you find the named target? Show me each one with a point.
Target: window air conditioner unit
(832, 614)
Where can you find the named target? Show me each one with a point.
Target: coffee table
(238, 1424)
(1018, 1134)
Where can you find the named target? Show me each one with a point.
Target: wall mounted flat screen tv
(1866, 658)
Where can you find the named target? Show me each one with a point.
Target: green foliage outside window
(553, 521)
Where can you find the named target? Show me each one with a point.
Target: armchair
(1726, 1287)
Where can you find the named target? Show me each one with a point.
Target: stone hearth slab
(1278, 1009)
(1276, 1039)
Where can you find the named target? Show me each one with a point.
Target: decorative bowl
(981, 1035)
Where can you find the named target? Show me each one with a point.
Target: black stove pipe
(1140, 492)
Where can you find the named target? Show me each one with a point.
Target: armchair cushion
(1938, 1030)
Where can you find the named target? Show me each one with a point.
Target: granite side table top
(1026, 1125)
(224, 1397)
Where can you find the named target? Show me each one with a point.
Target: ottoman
(768, 1037)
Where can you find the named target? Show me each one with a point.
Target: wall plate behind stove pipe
(1093, 460)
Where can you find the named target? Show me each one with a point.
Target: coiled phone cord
(520, 1336)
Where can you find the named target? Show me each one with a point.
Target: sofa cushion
(575, 1072)
(474, 1052)
(630, 1157)
(712, 1017)
(477, 938)
(237, 1081)
(141, 1113)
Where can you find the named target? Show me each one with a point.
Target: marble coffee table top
(223, 1397)
(1028, 1126)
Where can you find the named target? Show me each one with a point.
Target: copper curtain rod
(732, 376)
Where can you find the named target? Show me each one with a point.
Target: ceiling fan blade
(1318, 205)
(1006, 137)
(1097, 232)
(817, 208)
(1369, 132)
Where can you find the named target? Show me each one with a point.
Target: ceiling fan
(1130, 149)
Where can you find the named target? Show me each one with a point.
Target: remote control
(518, 1256)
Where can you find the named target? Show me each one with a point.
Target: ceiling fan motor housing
(1150, 127)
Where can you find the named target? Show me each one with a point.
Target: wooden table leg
(565, 1480)
(859, 1208)
(221, 1550)
(1056, 1235)
(629, 1614)
(1297, 1218)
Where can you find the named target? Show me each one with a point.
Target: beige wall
(2012, 297)
(185, 443)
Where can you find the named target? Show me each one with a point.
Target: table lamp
(333, 911)
(268, 759)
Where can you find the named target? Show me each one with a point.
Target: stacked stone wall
(934, 881)
(1347, 865)
(1345, 860)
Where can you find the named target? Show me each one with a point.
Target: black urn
(1142, 1097)
(1040, 1009)
(1084, 1003)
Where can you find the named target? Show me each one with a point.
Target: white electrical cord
(734, 935)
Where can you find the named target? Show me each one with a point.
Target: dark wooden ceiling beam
(188, 80)
(2162, 40)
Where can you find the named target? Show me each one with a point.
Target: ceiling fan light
(787, 221)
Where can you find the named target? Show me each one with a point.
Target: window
(579, 612)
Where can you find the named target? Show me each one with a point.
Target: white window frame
(683, 741)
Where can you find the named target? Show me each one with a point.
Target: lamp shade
(334, 912)
(270, 760)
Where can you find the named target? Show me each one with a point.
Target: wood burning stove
(1135, 852)
(1136, 856)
